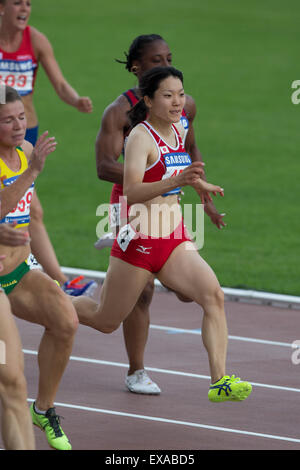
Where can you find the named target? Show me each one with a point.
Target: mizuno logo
(144, 249)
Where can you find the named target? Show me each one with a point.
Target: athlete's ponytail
(138, 113)
(149, 83)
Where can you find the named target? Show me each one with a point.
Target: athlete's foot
(74, 288)
(140, 382)
(106, 241)
(229, 389)
(50, 423)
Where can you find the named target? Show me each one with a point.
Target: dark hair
(10, 95)
(137, 48)
(149, 83)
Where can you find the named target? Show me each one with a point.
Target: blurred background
(239, 61)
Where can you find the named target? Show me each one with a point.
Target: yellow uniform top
(21, 213)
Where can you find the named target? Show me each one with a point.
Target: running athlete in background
(22, 49)
(145, 52)
(33, 295)
(146, 246)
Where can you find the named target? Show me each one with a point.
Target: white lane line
(163, 371)
(175, 421)
(173, 330)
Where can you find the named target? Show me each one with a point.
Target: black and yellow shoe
(229, 389)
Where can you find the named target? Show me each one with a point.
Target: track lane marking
(163, 371)
(175, 421)
(173, 330)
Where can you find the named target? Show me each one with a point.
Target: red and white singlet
(117, 189)
(147, 252)
(18, 69)
(171, 161)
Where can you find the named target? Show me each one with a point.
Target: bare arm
(11, 195)
(110, 142)
(11, 237)
(139, 148)
(66, 93)
(195, 154)
(190, 141)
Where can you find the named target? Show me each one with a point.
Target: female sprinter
(147, 246)
(22, 49)
(145, 52)
(33, 295)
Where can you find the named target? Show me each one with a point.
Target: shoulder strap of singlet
(178, 135)
(157, 137)
(23, 158)
(24, 164)
(27, 36)
(152, 131)
(131, 97)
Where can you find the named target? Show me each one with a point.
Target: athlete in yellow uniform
(32, 293)
(20, 215)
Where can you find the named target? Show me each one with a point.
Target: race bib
(32, 262)
(114, 215)
(21, 213)
(175, 164)
(125, 235)
(18, 74)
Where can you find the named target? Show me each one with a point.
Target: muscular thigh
(188, 273)
(10, 346)
(122, 288)
(38, 299)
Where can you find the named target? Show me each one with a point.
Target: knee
(64, 320)
(13, 385)
(213, 298)
(69, 326)
(219, 297)
(145, 298)
(69, 322)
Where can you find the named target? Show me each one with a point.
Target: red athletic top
(132, 98)
(18, 69)
(171, 160)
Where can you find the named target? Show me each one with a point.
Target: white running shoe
(105, 241)
(140, 382)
